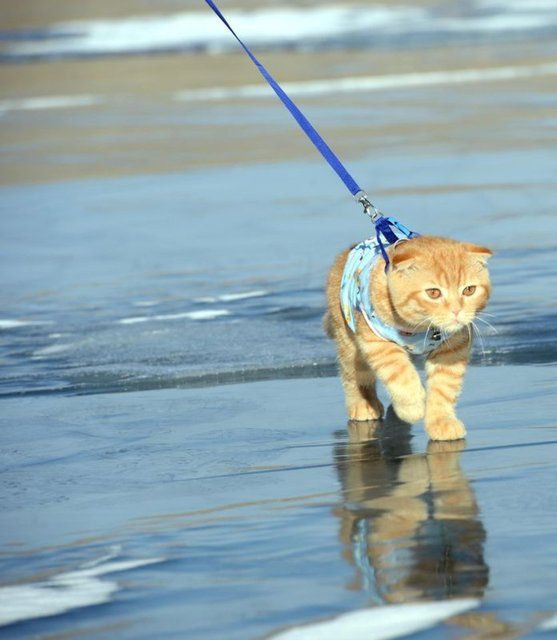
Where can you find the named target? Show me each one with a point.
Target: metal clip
(369, 208)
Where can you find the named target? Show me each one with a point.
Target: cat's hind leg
(358, 381)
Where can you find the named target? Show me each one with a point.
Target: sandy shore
(136, 125)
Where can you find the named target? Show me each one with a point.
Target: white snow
(15, 324)
(380, 623)
(549, 624)
(63, 592)
(371, 83)
(51, 350)
(284, 26)
(49, 102)
(229, 297)
(270, 26)
(202, 314)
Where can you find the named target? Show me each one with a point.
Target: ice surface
(273, 512)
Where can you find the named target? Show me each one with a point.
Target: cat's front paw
(363, 410)
(445, 428)
(410, 405)
(410, 411)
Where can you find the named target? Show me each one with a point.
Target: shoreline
(69, 120)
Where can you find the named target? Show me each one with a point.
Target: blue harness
(355, 295)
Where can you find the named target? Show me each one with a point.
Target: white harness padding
(355, 295)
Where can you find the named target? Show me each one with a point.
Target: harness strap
(355, 296)
(384, 227)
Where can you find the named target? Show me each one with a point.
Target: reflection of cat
(434, 286)
(409, 523)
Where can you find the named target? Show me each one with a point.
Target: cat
(432, 289)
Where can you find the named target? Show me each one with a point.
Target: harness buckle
(370, 209)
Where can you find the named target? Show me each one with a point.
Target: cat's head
(438, 281)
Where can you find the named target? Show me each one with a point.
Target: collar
(355, 295)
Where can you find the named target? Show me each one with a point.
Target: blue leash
(384, 227)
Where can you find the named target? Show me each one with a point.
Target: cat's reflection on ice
(409, 522)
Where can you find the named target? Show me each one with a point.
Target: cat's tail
(328, 325)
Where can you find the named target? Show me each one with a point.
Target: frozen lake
(175, 457)
(246, 508)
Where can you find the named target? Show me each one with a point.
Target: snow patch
(146, 303)
(15, 324)
(362, 84)
(380, 623)
(51, 350)
(549, 624)
(63, 592)
(207, 314)
(49, 102)
(284, 27)
(281, 26)
(230, 297)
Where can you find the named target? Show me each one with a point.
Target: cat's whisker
(418, 324)
(487, 323)
(482, 344)
(426, 334)
(475, 333)
(480, 316)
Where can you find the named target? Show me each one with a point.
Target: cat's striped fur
(431, 282)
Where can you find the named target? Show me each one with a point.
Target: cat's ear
(481, 253)
(403, 255)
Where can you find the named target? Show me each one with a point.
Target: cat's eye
(469, 290)
(433, 293)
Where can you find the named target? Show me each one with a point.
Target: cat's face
(439, 282)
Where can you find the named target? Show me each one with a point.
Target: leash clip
(370, 209)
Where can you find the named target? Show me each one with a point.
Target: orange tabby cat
(431, 282)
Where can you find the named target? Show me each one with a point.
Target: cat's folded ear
(481, 253)
(403, 255)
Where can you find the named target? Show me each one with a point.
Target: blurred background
(165, 222)
(164, 225)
